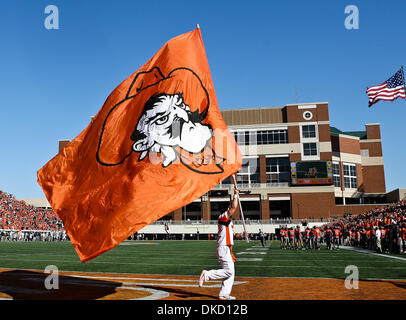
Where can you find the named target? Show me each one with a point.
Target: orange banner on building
(158, 143)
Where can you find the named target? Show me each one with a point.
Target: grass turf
(190, 257)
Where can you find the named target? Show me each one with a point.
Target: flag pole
(242, 214)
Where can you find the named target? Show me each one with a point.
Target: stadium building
(296, 166)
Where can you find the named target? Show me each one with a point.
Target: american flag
(390, 90)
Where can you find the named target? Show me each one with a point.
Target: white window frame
(277, 172)
(249, 171)
(337, 175)
(273, 132)
(255, 132)
(350, 176)
(311, 157)
(364, 153)
(304, 140)
(306, 125)
(250, 131)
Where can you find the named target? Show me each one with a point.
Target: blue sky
(53, 81)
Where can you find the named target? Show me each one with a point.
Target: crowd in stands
(382, 229)
(32, 235)
(18, 221)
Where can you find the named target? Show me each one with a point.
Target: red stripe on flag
(386, 90)
(389, 98)
(386, 94)
(377, 87)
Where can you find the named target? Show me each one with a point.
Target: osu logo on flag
(168, 124)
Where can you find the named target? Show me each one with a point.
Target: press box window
(309, 131)
(249, 172)
(245, 138)
(310, 149)
(261, 137)
(277, 170)
(272, 137)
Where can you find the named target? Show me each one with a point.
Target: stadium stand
(380, 229)
(19, 221)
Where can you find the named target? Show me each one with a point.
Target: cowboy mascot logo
(168, 124)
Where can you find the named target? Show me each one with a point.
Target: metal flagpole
(242, 214)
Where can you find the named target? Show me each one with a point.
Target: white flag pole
(242, 214)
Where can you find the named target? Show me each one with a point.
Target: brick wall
(177, 214)
(373, 179)
(205, 211)
(265, 214)
(355, 209)
(305, 205)
(374, 148)
(348, 145)
(62, 144)
(373, 131)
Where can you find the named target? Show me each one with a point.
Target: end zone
(29, 284)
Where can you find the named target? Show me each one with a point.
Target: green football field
(190, 257)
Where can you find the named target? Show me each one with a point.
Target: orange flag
(158, 143)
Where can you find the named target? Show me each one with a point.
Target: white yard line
(250, 252)
(129, 284)
(250, 259)
(372, 253)
(194, 265)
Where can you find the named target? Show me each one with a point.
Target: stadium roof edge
(247, 108)
(357, 134)
(273, 107)
(306, 103)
